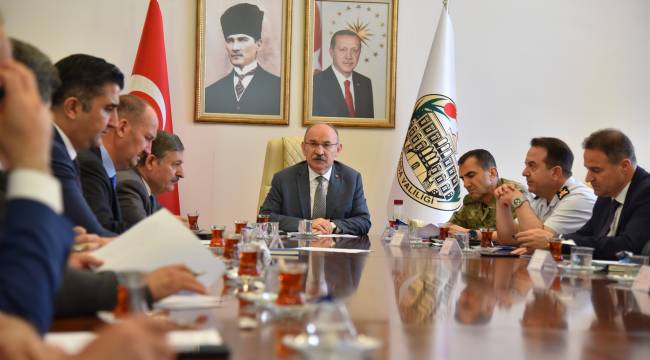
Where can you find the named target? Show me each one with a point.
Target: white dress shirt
(341, 79)
(246, 80)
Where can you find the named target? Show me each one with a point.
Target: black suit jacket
(632, 232)
(288, 201)
(99, 192)
(75, 207)
(329, 100)
(261, 97)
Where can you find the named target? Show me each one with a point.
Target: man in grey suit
(320, 188)
(156, 173)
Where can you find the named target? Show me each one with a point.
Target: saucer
(360, 344)
(259, 298)
(622, 279)
(572, 268)
(290, 310)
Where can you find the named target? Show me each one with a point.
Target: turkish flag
(149, 81)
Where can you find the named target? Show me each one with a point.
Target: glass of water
(581, 256)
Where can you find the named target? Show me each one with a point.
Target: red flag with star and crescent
(149, 81)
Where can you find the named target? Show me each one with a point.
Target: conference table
(421, 305)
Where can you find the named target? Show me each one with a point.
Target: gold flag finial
(444, 3)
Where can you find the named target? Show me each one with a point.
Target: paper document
(188, 301)
(157, 241)
(337, 250)
(346, 236)
(182, 341)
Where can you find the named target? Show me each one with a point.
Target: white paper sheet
(157, 241)
(335, 250)
(73, 342)
(188, 301)
(346, 236)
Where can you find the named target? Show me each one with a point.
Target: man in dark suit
(156, 174)
(34, 239)
(319, 188)
(248, 88)
(122, 146)
(333, 94)
(622, 212)
(83, 106)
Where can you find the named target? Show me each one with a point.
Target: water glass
(581, 256)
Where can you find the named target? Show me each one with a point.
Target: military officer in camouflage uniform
(478, 170)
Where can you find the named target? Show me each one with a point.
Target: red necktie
(348, 98)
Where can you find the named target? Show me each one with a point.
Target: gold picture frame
(370, 98)
(220, 96)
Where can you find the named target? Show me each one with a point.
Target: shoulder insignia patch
(564, 191)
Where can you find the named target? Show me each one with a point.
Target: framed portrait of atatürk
(243, 61)
(350, 62)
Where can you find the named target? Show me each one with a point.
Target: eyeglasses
(315, 145)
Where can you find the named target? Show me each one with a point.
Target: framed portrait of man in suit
(243, 61)
(350, 62)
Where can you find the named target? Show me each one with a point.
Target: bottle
(397, 212)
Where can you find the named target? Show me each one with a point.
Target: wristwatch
(518, 201)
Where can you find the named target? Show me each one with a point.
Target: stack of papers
(157, 241)
(183, 341)
(189, 301)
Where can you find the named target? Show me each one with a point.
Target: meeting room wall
(524, 69)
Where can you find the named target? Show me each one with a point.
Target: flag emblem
(427, 168)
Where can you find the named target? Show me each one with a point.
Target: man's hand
(505, 193)
(534, 238)
(86, 242)
(171, 279)
(139, 338)
(519, 251)
(322, 226)
(18, 340)
(83, 260)
(455, 229)
(25, 122)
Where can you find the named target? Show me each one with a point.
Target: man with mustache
(248, 88)
(121, 149)
(155, 174)
(320, 188)
(561, 203)
(478, 171)
(339, 91)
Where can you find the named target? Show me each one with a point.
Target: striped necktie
(319, 210)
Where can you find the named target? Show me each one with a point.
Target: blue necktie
(114, 181)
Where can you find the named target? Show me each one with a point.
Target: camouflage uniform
(474, 214)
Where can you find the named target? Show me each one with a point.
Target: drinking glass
(230, 248)
(217, 235)
(131, 296)
(581, 256)
(292, 274)
(555, 246)
(305, 227)
(193, 220)
(444, 231)
(240, 224)
(486, 237)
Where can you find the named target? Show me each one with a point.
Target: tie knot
(242, 76)
(321, 179)
(347, 83)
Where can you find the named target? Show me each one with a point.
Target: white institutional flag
(426, 177)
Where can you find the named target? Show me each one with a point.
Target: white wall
(524, 69)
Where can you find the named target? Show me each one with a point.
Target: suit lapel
(341, 107)
(638, 177)
(333, 189)
(303, 191)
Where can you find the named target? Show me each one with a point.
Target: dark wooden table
(423, 306)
